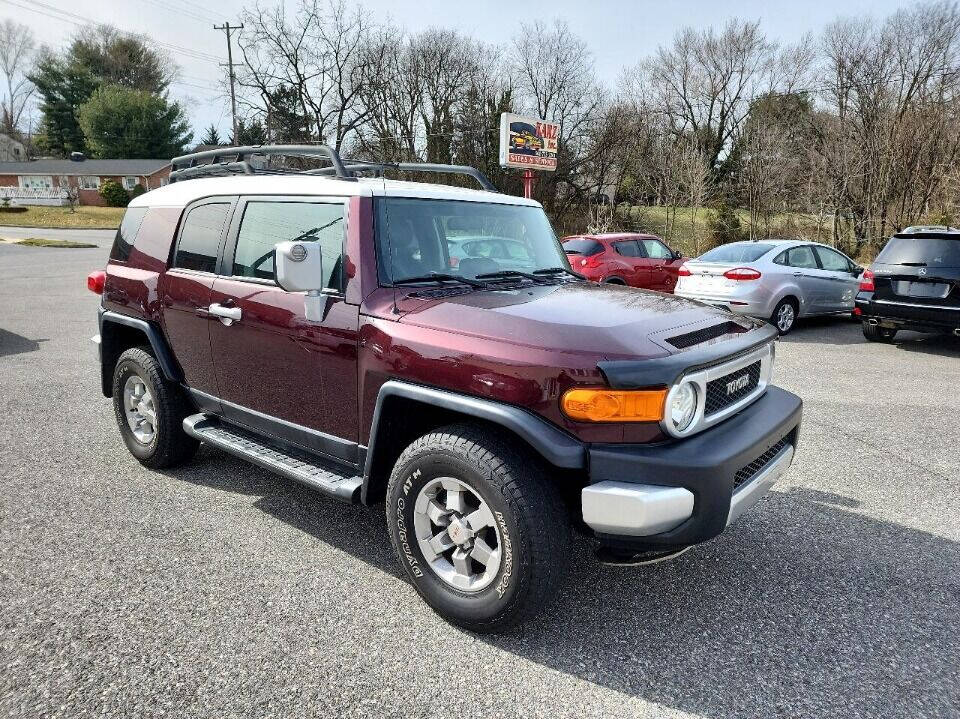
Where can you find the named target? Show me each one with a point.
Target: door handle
(225, 313)
(798, 274)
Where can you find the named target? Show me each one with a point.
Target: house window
(129, 183)
(88, 182)
(36, 182)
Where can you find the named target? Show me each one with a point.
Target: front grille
(745, 474)
(720, 393)
(705, 335)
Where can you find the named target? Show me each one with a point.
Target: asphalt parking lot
(218, 590)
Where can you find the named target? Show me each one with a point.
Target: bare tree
(16, 50)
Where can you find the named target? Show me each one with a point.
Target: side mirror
(857, 270)
(677, 255)
(299, 268)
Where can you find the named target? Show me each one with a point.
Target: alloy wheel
(457, 534)
(139, 410)
(785, 317)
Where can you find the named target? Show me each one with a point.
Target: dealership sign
(528, 143)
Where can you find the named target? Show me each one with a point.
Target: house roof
(84, 167)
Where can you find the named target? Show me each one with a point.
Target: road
(218, 590)
(103, 238)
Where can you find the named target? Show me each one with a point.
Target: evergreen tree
(212, 136)
(123, 123)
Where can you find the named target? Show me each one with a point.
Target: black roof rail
(380, 167)
(186, 167)
(234, 160)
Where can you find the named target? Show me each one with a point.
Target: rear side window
(921, 252)
(265, 224)
(740, 252)
(200, 237)
(630, 248)
(582, 246)
(127, 233)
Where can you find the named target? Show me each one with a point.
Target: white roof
(179, 194)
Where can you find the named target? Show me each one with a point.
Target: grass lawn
(94, 218)
(44, 242)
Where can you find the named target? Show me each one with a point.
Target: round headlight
(683, 406)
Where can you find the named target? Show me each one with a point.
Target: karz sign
(528, 143)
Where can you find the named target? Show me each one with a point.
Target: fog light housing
(682, 407)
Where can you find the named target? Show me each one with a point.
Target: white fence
(24, 196)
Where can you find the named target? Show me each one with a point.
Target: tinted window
(200, 237)
(802, 257)
(920, 251)
(265, 224)
(656, 250)
(737, 252)
(832, 260)
(127, 233)
(628, 248)
(582, 246)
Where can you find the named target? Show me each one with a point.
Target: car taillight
(866, 282)
(95, 281)
(742, 273)
(684, 271)
(591, 261)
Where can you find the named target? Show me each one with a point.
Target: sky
(619, 32)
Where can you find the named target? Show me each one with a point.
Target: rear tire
(150, 411)
(459, 492)
(784, 315)
(875, 333)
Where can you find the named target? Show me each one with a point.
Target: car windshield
(419, 238)
(738, 252)
(921, 251)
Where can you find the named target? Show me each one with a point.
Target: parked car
(776, 280)
(505, 251)
(625, 259)
(313, 326)
(914, 284)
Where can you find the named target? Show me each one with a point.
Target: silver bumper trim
(637, 510)
(750, 494)
(96, 347)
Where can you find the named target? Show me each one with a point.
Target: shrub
(635, 213)
(114, 194)
(137, 190)
(724, 225)
(12, 208)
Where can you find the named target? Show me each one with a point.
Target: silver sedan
(776, 280)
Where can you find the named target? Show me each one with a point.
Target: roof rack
(234, 160)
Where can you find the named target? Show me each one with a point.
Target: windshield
(921, 251)
(743, 252)
(417, 238)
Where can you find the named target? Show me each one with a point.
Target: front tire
(150, 411)
(875, 333)
(483, 537)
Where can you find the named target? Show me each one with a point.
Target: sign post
(528, 143)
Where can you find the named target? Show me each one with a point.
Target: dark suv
(914, 284)
(313, 324)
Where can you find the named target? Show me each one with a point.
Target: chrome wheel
(139, 410)
(785, 317)
(457, 534)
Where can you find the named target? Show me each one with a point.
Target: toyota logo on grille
(737, 384)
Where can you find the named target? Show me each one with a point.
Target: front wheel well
(403, 420)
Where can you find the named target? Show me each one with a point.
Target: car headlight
(683, 406)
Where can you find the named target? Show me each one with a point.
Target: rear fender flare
(109, 321)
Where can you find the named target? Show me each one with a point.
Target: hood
(610, 321)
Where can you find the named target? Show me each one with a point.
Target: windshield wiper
(438, 277)
(506, 274)
(555, 270)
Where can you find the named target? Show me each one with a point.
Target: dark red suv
(625, 259)
(314, 325)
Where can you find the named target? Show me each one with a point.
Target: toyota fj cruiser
(313, 323)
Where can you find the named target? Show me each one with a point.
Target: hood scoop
(705, 334)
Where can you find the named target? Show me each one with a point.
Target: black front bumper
(705, 464)
(908, 316)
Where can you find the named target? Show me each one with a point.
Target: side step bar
(296, 466)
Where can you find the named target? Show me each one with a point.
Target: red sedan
(625, 259)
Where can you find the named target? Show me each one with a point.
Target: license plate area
(930, 290)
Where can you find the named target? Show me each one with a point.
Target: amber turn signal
(608, 405)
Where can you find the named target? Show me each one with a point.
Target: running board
(296, 466)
